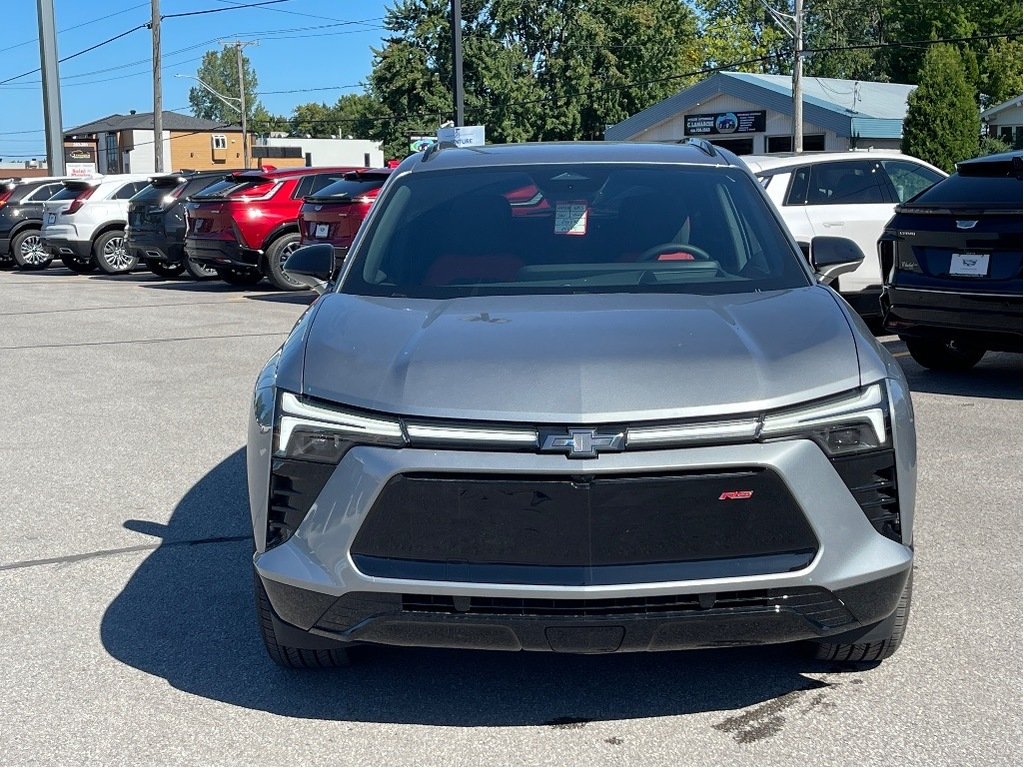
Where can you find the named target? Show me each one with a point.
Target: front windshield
(586, 228)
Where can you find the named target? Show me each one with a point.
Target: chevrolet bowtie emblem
(584, 443)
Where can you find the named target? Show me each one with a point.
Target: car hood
(579, 358)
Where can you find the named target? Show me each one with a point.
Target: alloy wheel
(116, 255)
(32, 251)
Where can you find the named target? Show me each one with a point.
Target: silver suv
(84, 223)
(584, 398)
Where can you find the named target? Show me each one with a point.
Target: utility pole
(457, 88)
(158, 96)
(239, 45)
(798, 74)
(797, 33)
(51, 88)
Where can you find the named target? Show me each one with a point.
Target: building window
(813, 142)
(220, 141)
(113, 155)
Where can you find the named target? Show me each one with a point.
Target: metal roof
(879, 111)
(143, 121)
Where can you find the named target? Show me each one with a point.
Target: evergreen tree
(943, 124)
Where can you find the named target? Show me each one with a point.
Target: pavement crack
(120, 551)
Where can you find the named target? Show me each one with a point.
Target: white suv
(844, 194)
(84, 223)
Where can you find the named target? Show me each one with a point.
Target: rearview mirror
(311, 266)
(834, 256)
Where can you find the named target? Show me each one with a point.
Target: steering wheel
(652, 254)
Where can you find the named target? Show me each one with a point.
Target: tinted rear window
(151, 193)
(972, 192)
(573, 229)
(69, 193)
(351, 188)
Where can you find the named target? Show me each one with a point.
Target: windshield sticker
(571, 217)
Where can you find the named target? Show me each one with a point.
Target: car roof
(758, 163)
(557, 152)
(287, 173)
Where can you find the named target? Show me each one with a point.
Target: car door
(789, 192)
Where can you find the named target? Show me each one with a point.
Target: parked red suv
(333, 214)
(246, 226)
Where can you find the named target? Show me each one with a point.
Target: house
(753, 114)
(124, 144)
(1005, 121)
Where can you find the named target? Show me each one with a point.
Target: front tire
(164, 268)
(873, 651)
(78, 263)
(286, 656)
(242, 277)
(944, 354)
(111, 255)
(277, 255)
(199, 271)
(28, 252)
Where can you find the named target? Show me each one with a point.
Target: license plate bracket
(321, 230)
(968, 264)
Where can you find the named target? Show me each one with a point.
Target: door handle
(832, 223)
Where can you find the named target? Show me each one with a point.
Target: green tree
(943, 125)
(556, 69)
(219, 70)
(740, 30)
(832, 27)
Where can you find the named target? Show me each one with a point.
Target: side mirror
(834, 256)
(311, 265)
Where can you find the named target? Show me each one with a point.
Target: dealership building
(753, 114)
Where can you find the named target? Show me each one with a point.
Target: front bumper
(853, 579)
(992, 320)
(212, 252)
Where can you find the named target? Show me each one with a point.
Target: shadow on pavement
(999, 375)
(187, 615)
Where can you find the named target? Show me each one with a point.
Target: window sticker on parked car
(571, 217)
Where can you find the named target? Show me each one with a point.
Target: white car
(84, 223)
(844, 194)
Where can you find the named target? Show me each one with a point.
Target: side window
(303, 187)
(128, 190)
(219, 141)
(849, 181)
(798, 188)
(908, 179)
(45, 192)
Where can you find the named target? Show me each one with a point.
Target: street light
(237, 107)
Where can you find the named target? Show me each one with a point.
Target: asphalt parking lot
(127, 620)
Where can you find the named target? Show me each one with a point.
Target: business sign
(725, 123)
(80, 152)
(462, 136)
(80, 159)
(80, 170)
(420, 143)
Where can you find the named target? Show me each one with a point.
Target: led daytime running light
(296, 413)
(864, 406)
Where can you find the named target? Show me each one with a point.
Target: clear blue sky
(304, 44)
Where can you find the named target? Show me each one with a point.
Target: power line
(76, 26)
(220, 10)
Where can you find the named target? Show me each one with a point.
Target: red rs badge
(735, 495)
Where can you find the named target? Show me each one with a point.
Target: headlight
(856, 421)
(316, 432)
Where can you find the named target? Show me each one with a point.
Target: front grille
(814, 603)
(294, 486)
(871, 479)
(584, 530)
